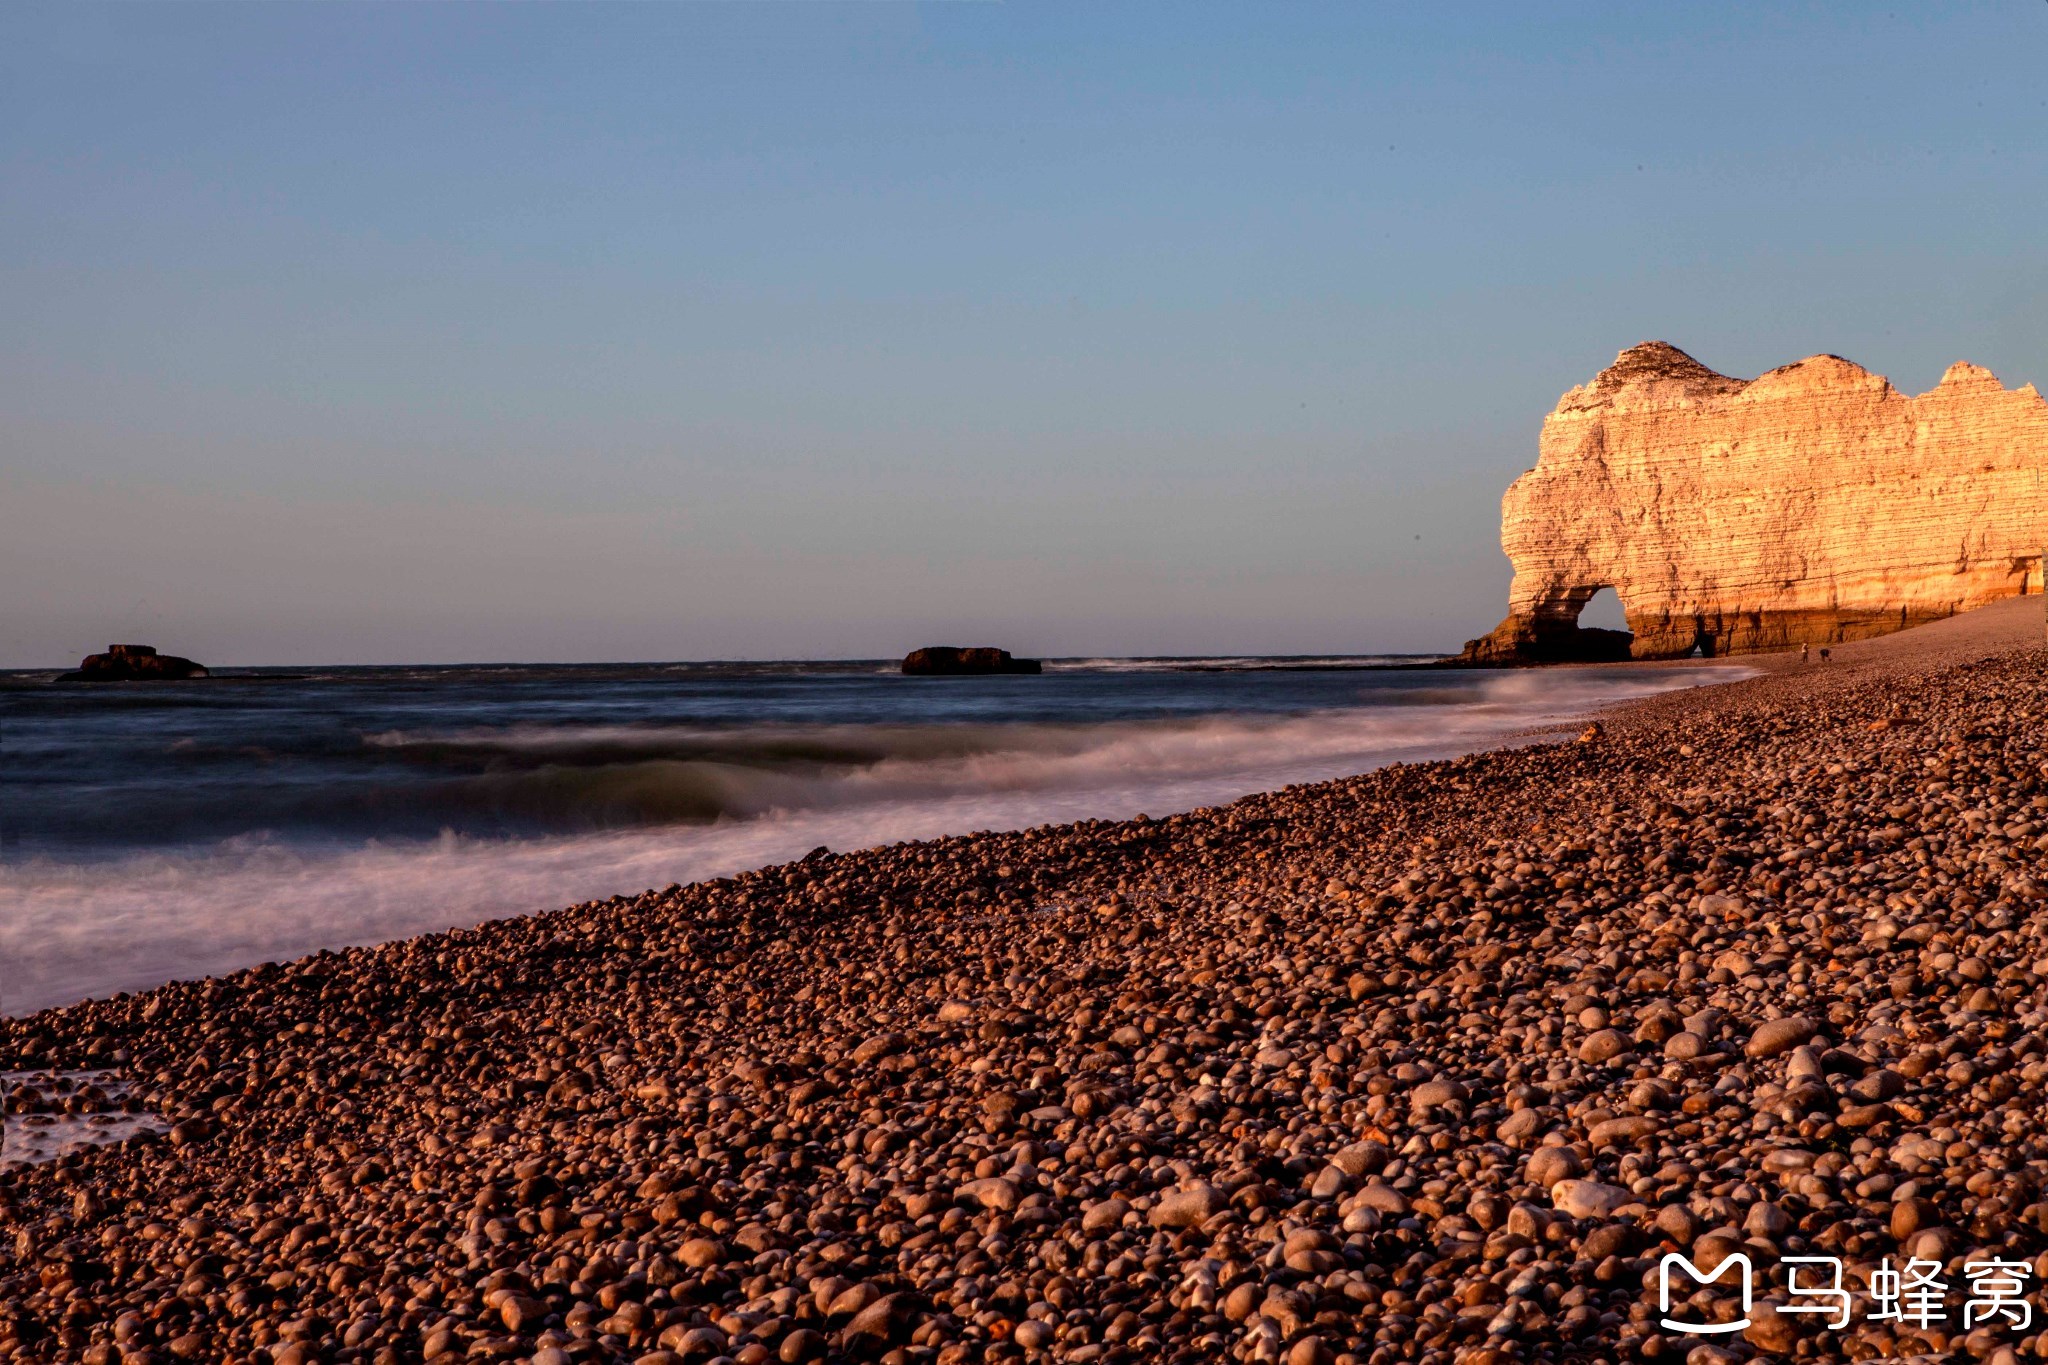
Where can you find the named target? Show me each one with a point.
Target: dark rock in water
(133, 663)
(950, 661)
(1538, 642)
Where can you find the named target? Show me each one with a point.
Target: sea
(158, 831)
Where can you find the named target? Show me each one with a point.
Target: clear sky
(446, 332)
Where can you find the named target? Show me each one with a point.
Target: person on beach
(1823, 656)
(1803, 652)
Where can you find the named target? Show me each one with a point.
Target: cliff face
(1811, 505)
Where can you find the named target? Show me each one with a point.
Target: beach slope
(1434, 1063)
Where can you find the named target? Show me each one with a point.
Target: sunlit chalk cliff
(1813, 504)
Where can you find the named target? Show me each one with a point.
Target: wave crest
(703, 801)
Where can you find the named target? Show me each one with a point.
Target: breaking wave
(622, 807)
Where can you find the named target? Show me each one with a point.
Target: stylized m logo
(1739, 1260)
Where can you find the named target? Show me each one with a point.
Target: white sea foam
(71, 930)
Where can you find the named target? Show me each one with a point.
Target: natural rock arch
(1552, 632)
(1814, 504)
(1604, 610)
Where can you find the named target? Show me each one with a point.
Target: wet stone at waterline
(50, 1114)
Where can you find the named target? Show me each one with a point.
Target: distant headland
(1813, 505)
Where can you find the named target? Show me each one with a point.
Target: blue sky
(366, 333)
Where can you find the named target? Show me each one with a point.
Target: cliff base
(1527, 640)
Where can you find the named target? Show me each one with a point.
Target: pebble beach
(1434, 1064)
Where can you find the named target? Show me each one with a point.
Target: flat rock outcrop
(1811, 505)
(133, 663)
(951, 661)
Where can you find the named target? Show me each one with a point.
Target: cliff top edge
(1661, 363)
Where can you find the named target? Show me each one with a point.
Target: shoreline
(1105, 746)
(1328, 1070)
